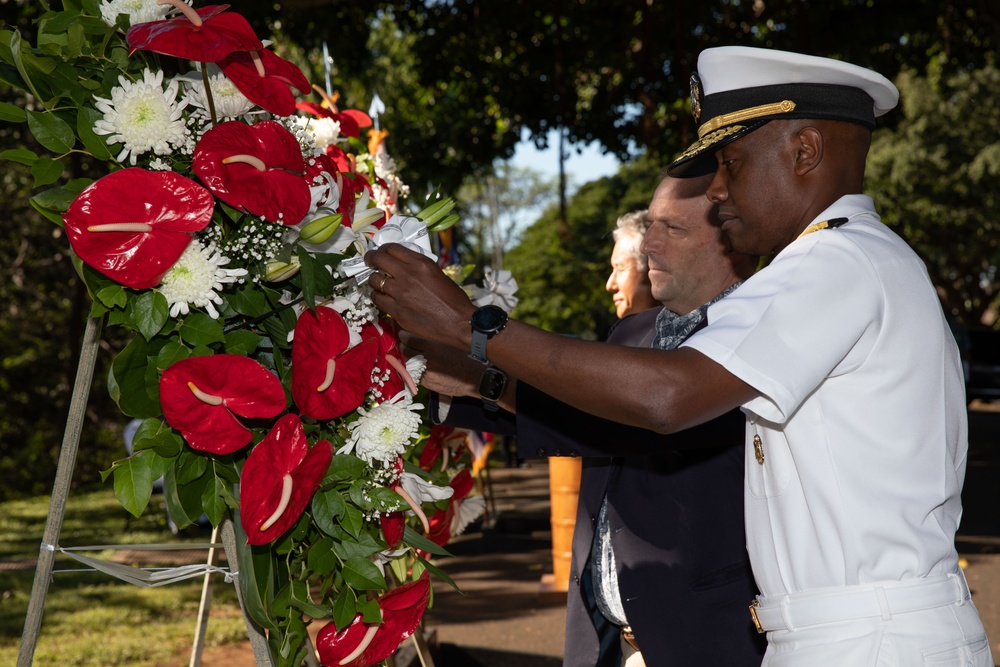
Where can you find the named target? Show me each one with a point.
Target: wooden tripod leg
(60, 490)
(258, 641)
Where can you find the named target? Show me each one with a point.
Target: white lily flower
(467, 510)
(423, 491)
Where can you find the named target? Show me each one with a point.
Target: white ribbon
(402, 229)
(148, 577)
(498, 289)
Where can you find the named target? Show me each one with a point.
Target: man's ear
(808, 150)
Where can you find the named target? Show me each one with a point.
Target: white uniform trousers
(923, 623)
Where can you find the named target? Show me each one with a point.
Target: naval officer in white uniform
(837, 351)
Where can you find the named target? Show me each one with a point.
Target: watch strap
(478, 353)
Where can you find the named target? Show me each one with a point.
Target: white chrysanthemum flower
(324, 131)
(195, 279)
(139, 11)
(142, 116)
(383, 432)
(228, 100)
(415, 366)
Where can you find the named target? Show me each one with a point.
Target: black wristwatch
(491, 386)
(486, 322)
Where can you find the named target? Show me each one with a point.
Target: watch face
(492, 384)
(489, 319)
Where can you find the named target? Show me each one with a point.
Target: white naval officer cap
(737, 89)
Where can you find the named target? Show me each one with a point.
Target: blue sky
(588, 166)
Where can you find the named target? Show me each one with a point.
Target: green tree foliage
(617, 71)
(935, 180)
(561, 271)
(495, 205)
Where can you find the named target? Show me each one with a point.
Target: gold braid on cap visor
(709, 140)
(744, 115)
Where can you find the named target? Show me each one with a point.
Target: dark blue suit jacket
(675, 509)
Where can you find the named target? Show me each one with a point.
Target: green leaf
(51, 131)
(213, 499)
(370, 610)
(112, 296)
(134, 482)
(309, 608)
(129, 372)
(311, 272)
(46, 171)
(20, 155)
(256, 579)
(418, 541)
(91, 140)
(345, 608)
(74, 40)
(190, 467)
(364, 547)
(12, 114)
(200, 329)
(248, 301)
(321, 559)
(158, 464)
(59, 198)
(165, 443)
(353, 520)
(18, 57)
(327, 509)
(358, 494)
(169, 354)
(151, 312)
(344, 466)
(241, 342)
(183, 500)
(436, 571)
(59, 23)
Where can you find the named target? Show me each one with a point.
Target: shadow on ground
(449, 655)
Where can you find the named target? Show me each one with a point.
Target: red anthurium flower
(279, 477)
(256, 168)
(462, 483)
(270, 90)
(441, 440)
(351, 188)
(391, 362)
(200, 397)
(360, 644)
(329, 378)
(318, 165)
(394, 523)
(351, 120)
(206, 36)
(133, 224)
(339, 157)
(440, 522)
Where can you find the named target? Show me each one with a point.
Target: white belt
(799, 610)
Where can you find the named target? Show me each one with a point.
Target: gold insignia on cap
(695, 97)
(709, 140)
(744, 115)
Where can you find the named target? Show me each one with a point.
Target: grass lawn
(92, 619)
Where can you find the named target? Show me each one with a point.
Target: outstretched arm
(664, 391)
